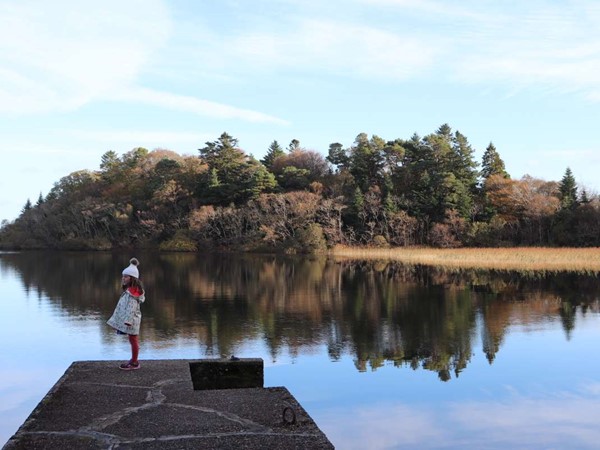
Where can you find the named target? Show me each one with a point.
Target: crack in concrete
(154, 398)
(106, 438)
(204, 436)
(225, 415)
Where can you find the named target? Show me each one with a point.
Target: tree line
(405, 192)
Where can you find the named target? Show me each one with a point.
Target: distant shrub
(441, 236)
(380, 241)
(179, 243)
(311, 239)
(85, 244)
(487, 234)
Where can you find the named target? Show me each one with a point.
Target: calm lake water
(381, 355)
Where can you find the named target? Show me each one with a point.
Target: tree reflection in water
(378, 311)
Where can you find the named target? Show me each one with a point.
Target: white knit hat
(132, 269)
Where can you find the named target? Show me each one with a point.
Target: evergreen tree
(444, 131)
(358, 207)
(232, 176)
(213, 180)
(109, 166)
(462, 163)
(337, 156)
(393, 154)
(584, 197)
(492, 164)
(40, 200)
(132, 158)
(217, 152)
(432, 181)
(568, 190)
(366, 161)
(26, 207)
(294, 145)
(273, 153)
(389, 203)
(108, 161)
(260, 181)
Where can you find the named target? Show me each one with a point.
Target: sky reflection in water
(341, 337)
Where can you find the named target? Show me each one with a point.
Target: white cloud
(315, 46)
(62, 54)
(194, 105)
(540, 46)
(347, 49)
(527, 422)
(137, 136)
(551, 46)
(381, 427)
(438, 8)
(538, 420)
(58, 56)
(543, 44)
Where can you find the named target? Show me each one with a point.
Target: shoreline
(584, 260)
(549, 259)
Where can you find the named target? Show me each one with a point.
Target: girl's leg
(135, 347)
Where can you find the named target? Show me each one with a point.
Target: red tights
(135, 347)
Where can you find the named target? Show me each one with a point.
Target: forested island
(422, 191)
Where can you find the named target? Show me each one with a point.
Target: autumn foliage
(418, 192)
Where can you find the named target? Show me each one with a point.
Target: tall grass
(581, 260)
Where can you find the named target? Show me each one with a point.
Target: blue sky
(79, 78)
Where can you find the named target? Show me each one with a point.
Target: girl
(127, 316)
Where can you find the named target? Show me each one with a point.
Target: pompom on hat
(132, 269)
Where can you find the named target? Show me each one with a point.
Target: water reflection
(560, 420)
(378, 312)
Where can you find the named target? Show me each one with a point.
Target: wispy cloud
(57, 56)
(439, 8)
(309, 46)
(342, 49)
(542, 44)
(61, 55)
(547, 45)
(557, 50)
(193, 105)
(114, 137)
(536, 420)
(103, 53)
(382, 427)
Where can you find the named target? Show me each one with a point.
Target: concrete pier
(94, 405)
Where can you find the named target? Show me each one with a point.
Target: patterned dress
(128, 315)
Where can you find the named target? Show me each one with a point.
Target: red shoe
(130, 366)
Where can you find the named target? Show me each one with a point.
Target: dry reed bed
(582, 260)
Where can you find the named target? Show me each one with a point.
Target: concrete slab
(95, 405)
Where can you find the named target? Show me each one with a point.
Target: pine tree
(26, 207)
(337, 156)
(492, 164)
(294, 145)
(233, 176)
(463, 166)
(568, 190)
(366, 161)
(273, 153)
(40, 200)
(109, 161)
(445, 131)
(584, 197)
